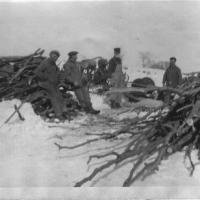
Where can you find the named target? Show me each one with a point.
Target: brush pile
(153, 137)
(18, 81)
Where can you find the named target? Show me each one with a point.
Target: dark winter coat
(172, 76)
(73, 72)
(100, 76)
(48, 71)
(112, 65)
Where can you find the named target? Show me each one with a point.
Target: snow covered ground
(29, 157)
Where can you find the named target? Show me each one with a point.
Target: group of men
(48, 75)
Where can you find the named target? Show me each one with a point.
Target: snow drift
(30, 158)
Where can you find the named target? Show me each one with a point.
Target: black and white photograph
(99, 100)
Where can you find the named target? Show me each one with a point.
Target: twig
(19, 114)
(10, 117)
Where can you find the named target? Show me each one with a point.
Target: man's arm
(179, 76)
(69, 76)
(67, 72)
(164, 77)
(40, 71)
(111, 66)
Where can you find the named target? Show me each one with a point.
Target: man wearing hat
(172, 76)
(113, 61)
(73, 74)
(48, 76)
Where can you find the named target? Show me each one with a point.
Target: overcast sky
(94, 28)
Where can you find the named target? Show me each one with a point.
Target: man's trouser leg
(55, 97)
(57, 102)
(83, 97)
(80, 97)
(86, 96)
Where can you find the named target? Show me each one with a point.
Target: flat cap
(117, 50)
(72, 53)
(173, 58)
(54, 52)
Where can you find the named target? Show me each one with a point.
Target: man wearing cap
(172, 76)
(113, 61)
(73, 74)
(48, 77)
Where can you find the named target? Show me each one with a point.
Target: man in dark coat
(48, 77)
(73, 74)
(172, 76)
(113, 61)
(101, 75)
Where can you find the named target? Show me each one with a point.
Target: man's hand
(76, 84)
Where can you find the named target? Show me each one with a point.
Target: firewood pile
(18, 81)
(151, 138)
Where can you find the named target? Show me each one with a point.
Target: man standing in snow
(172, 76)
(48, 76)
(73, 74)
(114, 61)
(117, 81)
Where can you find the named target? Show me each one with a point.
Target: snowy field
(30, 158)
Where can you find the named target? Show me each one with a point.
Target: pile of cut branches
(153, 137)
(18, 81)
